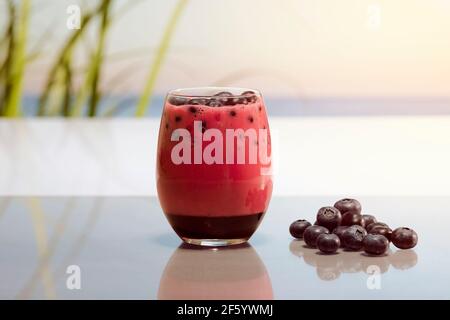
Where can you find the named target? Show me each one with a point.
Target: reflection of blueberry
(177, 101)
(167, 126)
(232, 113)
(403, 259)
(177, 119)
(250, 118)
(328, 274)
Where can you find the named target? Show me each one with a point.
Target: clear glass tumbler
(214, 177)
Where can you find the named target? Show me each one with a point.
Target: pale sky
(295, 47)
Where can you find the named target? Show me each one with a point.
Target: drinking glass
(214, 177)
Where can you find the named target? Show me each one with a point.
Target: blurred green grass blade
(98, 59)
(67, 89)
(65, 55)
(82, 93)
(5, 70)
(13, 103)
(145, 98)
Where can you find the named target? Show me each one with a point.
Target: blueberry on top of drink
(178, 101)
(225, 98)
(220, 99)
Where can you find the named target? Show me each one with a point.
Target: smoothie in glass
(214, 177)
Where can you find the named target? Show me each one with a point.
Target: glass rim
(190, 92)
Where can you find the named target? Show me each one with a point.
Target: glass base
(214, 242)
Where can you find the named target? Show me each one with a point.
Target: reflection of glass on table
(219, 273)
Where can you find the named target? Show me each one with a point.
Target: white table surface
(312, 156)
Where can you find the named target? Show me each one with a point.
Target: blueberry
(311, 233)
(353, 237)
(226, 98)
(297, 228)
(233, 113)
(368, 219)
(177, 101)
(242, 100)
(329, 217)
(404, 238)
(198, 102)
(375, 244)
(250, 118)
(214, 103)
(328, 243)
(351, 218)
(375, 224)
(339, 231)
(250, 96)
(382, 230)
(348, 205)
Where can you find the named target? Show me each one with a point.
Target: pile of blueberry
(220, 99)
(343, 225)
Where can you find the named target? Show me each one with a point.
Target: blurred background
(308, 57)
(358, 91)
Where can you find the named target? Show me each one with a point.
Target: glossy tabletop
(125, 249)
